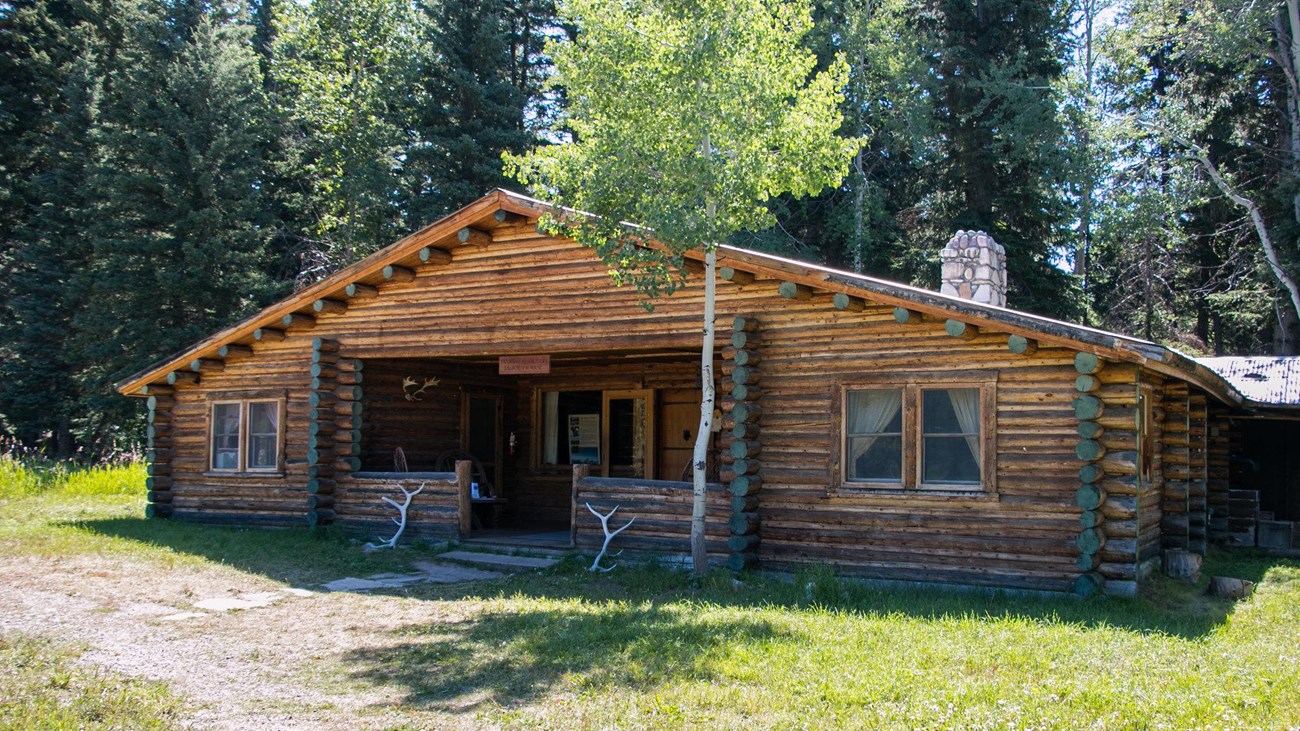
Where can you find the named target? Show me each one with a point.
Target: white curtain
(869, 413)
(551, 427)
(966, 403)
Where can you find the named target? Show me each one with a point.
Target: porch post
(465, 502)
(580, 473)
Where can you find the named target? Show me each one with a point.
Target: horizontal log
(320, 502)
(741, 430)
(747, 504)
(157, 483)
(321, 486)
(962, 330)
(1090, 518)
(431, 255)
(745, 375)
(329, 306)
(904, 316)
(1089, 584)
(745, 339)
(473, 237)
(1091, 472)
(744, 324)
(357, 290)
(743, 448)
(847, 303)
(745, 485)
(1091, 540)
(742, 561)
(297, 320)
(745, 467)
(1087, 407)
(1089, 496)
(794, 291)
(324, 356)
(746, 392)
(746, 412)
(743, 523)
(743, 542)
(1088, 562)
(735, 276)
(394, 273)
(1089, 450)
(268, 335)
(319, 470)
(1090, 430)
(1088, 363)
(1021, 345)
(1087, 384)
(320, 517)
(182, 378)
(158, 510)
(156, 389)
(234, 350)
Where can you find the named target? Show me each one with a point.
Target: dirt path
(276, 666)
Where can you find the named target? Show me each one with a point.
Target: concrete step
(499, 561)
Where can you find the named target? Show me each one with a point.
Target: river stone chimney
(974, 268)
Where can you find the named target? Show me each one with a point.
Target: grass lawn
(637, 649)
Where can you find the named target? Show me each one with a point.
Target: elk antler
(604, 526)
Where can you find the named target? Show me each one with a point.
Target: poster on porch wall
(584, 438)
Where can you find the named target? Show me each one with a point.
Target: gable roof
(502, 207)
(1266, 380)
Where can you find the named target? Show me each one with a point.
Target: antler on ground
(604, 526)
(401, 510)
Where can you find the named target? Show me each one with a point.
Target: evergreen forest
(168, 167)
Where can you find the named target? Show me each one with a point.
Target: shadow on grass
(303, 556)
(293, 555)
(507, 657)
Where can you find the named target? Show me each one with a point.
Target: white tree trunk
(700, 457)
(1256, 218)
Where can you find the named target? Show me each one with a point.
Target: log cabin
(888, 431)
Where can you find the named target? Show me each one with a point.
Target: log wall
(662, 512)
(274, 369)
(435, 512)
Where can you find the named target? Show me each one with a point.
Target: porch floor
(521, 537)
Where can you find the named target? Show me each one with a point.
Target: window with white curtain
(917, 435)
(246, 435)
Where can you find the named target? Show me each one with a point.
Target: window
(918, 435)
(611, 430)
(246, 435)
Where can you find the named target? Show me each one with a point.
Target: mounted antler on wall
(604, 525)
(409, 383)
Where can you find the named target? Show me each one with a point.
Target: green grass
(637, 648)
(42, 688)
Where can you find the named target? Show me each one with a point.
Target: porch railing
(442, 509)
(662, 509)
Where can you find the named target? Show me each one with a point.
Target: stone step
(498, 561)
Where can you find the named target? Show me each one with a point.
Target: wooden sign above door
(517, 365)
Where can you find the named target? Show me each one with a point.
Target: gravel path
(273, 665)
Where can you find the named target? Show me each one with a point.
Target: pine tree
(179, 226)
(999, 165)
(343, 74)
(54, 56)
(481, 71)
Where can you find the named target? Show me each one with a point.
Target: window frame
(912, 387)
(245, 403)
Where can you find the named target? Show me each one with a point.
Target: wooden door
(678, 418)
(481, 435)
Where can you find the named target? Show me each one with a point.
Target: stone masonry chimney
(975, 268)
